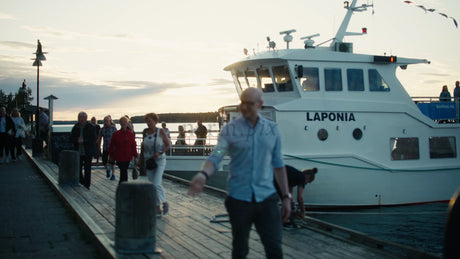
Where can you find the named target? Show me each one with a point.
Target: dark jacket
(9, 125)
(89, 138)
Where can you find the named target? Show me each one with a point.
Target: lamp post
(50, 99)
(39, 56)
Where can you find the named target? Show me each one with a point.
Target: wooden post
(135, 218)
(50, 99)
(452, 234)
(69, 167)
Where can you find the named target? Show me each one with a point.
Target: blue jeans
(266, 217)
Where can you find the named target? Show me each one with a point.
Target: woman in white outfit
(19, 135)
(155, 145)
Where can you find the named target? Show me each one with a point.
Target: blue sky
(133, 57)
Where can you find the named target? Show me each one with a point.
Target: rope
(370, 168)
(340, 213)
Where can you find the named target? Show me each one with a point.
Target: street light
(39, 56)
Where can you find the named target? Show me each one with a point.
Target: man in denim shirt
(254, 145)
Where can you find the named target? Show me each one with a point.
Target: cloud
(5, 16)
(219, 81)
(435, 74)
(84, 95)
(66, 34)
(17, 44)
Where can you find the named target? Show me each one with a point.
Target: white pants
(156, 177)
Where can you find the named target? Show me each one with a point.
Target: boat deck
(188, 232)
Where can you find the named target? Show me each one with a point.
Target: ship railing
(193, 146)
(441, 110)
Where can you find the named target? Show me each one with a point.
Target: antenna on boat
(342, 32)
(309, 42)
(288, 37)
(271, 44)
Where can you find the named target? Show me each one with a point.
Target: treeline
(166, 117)
(181, 117)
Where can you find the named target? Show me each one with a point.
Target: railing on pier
(191, 148)
(446, 111)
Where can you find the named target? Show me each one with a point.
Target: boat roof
(320, 55)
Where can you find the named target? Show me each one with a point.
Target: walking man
(7, 129)
(83, 137)
(254, 145)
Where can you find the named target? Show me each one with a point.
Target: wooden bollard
(452, 233)
(135, 218)
(69, 167)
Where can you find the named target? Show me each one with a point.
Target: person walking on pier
(105, 134)
(98, 144)
(123, 148)
(19, 134)
(44, 126)
(254, 145)
(6, 130)
(153, 159)
(83, 136)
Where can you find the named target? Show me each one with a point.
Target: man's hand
(197, 184)
(285, 210)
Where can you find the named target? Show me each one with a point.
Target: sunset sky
(133, 57)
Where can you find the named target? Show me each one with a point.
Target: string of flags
(431, 10)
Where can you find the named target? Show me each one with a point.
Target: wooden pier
(192, 230)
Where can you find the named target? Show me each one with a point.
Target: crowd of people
(12, 132)
(119, 148)
(257, 167)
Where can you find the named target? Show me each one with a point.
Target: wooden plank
(187, 232)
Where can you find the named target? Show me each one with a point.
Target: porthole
(357, 134)
(322, 134)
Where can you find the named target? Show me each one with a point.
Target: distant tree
(181, 117)
(20, 99)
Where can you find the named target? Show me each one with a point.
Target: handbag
(150, 164)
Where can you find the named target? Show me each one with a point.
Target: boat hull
(348, 182)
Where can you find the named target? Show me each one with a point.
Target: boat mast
(342, 32)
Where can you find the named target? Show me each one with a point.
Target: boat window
(376, 82)
(265, 80)
(241, 80)
(355, 80)
(333, 79)
(282, 79)
(252, 79)
(442, 147)
(310, 79)
(236, 81)
(404, 148)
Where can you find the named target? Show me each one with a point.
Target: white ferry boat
(348, 115)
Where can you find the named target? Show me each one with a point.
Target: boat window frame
(238, 78)
(335, 69)
(362, 89)
(437, 150)
(408, 148)
(262, 84)
(382, 88)
(250, 82)
(305, 87)
(289, 86)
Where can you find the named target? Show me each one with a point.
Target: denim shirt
(254, 152)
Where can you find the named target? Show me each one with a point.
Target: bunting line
(431, 10)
